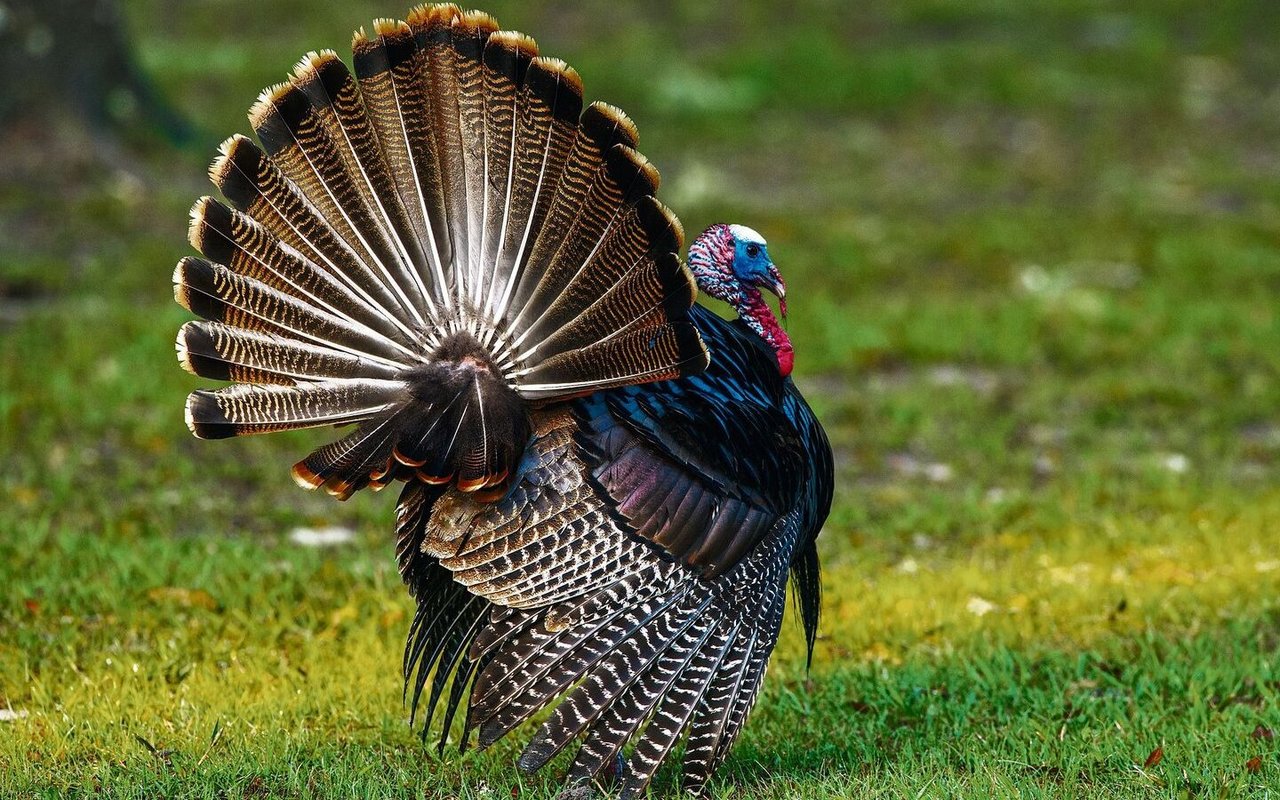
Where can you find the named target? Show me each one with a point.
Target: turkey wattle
(606, 485)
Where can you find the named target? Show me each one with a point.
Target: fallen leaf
(339, 617)
(880, 653)
(1254, 764)
(1262, 732)
(391, 616)
(189, 598)
(1154, 758)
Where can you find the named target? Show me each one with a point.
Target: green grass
(1033, 253)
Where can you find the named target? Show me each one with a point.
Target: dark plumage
(606, 486)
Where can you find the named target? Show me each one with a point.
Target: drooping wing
(637, 567)
(642, 647)
(703, 467)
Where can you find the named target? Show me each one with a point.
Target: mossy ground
(1033, 253)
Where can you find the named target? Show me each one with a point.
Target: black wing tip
(678, 283)
(490, 732)
(431, 23)
(630, 170)
(392, 46)
(277, 116)
(661, 226)
(470, 31)
(235, 171)
(581, 790)
(694, 356)
(557, 85)
(510, 53)
(607, 125)
(192, 288)
(205, 417)
(320, 76)
(194, 346)
(208, 216)
(536, 753)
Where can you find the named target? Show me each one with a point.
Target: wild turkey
(606, 485)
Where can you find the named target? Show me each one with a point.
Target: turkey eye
(753, 250)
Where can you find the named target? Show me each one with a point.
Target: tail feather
(336, 102)
(550, 102)
(216, 293)
(388, 69)
(468, 35)
(246, 247)
(601, 127)
(449, 218)
(244, 408)
(507, 56)
(622, 360)
(431, 28)
(362, 458)
(640, 235)
(253, 184)
(622, 176)
(296, 139)
(226, 353)
(646, 297)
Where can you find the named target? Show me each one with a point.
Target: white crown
(744, 234)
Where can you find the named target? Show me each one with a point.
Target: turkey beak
(773, 282)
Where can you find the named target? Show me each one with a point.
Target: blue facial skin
(751, 263)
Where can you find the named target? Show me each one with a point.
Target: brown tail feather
(447, 219)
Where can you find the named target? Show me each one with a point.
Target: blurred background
(1033, 261)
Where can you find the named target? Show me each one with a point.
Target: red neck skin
(756, 313)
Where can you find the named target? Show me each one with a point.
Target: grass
(1033, 258)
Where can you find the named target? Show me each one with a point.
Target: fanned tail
(424, 245)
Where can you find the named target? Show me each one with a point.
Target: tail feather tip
(205, 418)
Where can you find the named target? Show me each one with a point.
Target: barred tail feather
(243, 408)
(444, 218)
